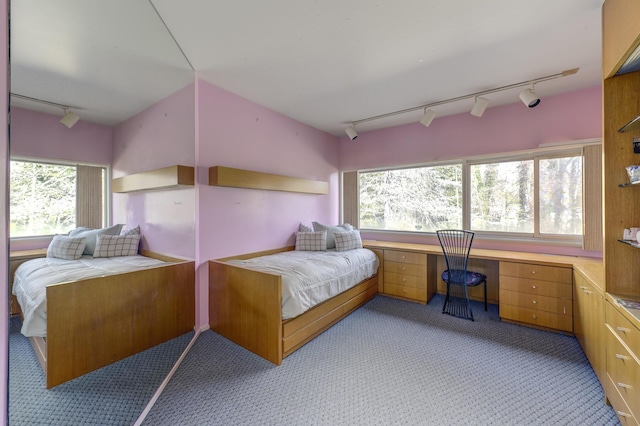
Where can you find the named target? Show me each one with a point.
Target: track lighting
(429, 115)
(529, 98)
(351, 132)
(70, 118)
(479, 106)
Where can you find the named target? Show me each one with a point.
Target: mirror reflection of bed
(118, 69)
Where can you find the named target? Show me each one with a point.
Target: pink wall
(162, 135)
(40, 135)
(571, 116)
(235, 132)
(4, 189)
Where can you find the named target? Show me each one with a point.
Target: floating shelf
(624, 185)
(631, 243)
(631, 126)
(238, 178)
(171, 177)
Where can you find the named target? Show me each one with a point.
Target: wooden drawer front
(535, 317)
(536, 287)
(405, 268)
(538, 272)
(619, 405)
(414, 293)
(405, 280)
(540, 303)
(405, 257)
(624, 371)
(626, 331)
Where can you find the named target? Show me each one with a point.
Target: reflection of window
(47, 198)
(530, 195)
(421, 199)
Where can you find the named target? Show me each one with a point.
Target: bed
(97, 318)
(246, 303)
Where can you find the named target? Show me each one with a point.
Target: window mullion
(536, 197)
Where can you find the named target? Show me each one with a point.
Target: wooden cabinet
(405, 275)
(588, 323)
(16, 258)
(623, 365)
(538, 295)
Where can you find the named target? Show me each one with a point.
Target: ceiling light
(69, 118)
(429, 115)
(529, 98)
(479, 106)
(351, 132)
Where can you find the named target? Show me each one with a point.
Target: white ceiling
(324, 63)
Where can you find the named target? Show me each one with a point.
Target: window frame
(560, 150)
(106, 207)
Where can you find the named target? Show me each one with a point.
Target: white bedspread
(32, 277)
(311, 277)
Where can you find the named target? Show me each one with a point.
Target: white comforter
(311, 277)
(32, 278)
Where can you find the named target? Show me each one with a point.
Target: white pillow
(92, 234)
(347, 240)
(304, 228)
(331, 242)
(68, 248)
(311, 241)
(116, 245)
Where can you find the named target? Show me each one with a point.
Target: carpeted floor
(113, 395)
(392, 362)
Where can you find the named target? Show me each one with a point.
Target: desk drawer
(536, 287)
(538, 272)
(536, 317)
(536, 302)
(405, 268)
(623, 328)
(405, 280)
(619, 405)
(418, 294)
(624, 371)
(405, 257)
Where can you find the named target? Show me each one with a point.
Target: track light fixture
(351, 132)
(479, 106)
(428, 117)
(69, 119)
(528, 97)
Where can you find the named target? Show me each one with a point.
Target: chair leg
(466, 295)
(446, 299)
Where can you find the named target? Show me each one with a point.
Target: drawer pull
(533, 286)
(404, 257)
(622, 330)
(404, 291)
(583, 287)
(534, 302)
(534, 317)
(404, 280)
(404, 269)
(623, 414)
(624, 386)
(622, 357)
(587, 291)
(533, 272)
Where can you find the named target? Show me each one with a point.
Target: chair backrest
(456, 245)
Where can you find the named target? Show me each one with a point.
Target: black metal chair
(456, 245)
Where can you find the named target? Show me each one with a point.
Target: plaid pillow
(311, 241)
(131, 231)
(116, 245)
(331, 242)
(347, 240)
(68, 248)
(304, 228)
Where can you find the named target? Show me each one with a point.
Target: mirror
(117, 67)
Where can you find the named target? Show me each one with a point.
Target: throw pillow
(331, 242)
(68, 248)
(348, 240)
(92, 234)
(116, 245)
(311, 241)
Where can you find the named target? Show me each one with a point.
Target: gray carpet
(392, 362)
(113, 395)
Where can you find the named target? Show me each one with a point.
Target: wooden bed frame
(245, 306)
(94, 322)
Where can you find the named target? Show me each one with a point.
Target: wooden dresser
(537, 295)
(405, 275)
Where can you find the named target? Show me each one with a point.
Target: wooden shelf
(624, 185)
(631, 243)
(166, 178)
(238, 178)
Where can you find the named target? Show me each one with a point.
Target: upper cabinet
(620, 34)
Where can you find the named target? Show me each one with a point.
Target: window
(532, 195)
(48, 198)
(421, 199)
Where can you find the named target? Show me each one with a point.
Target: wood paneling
(592, 194)
(620, 33)
(350, 198)
(166, 178)
(238, 178)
